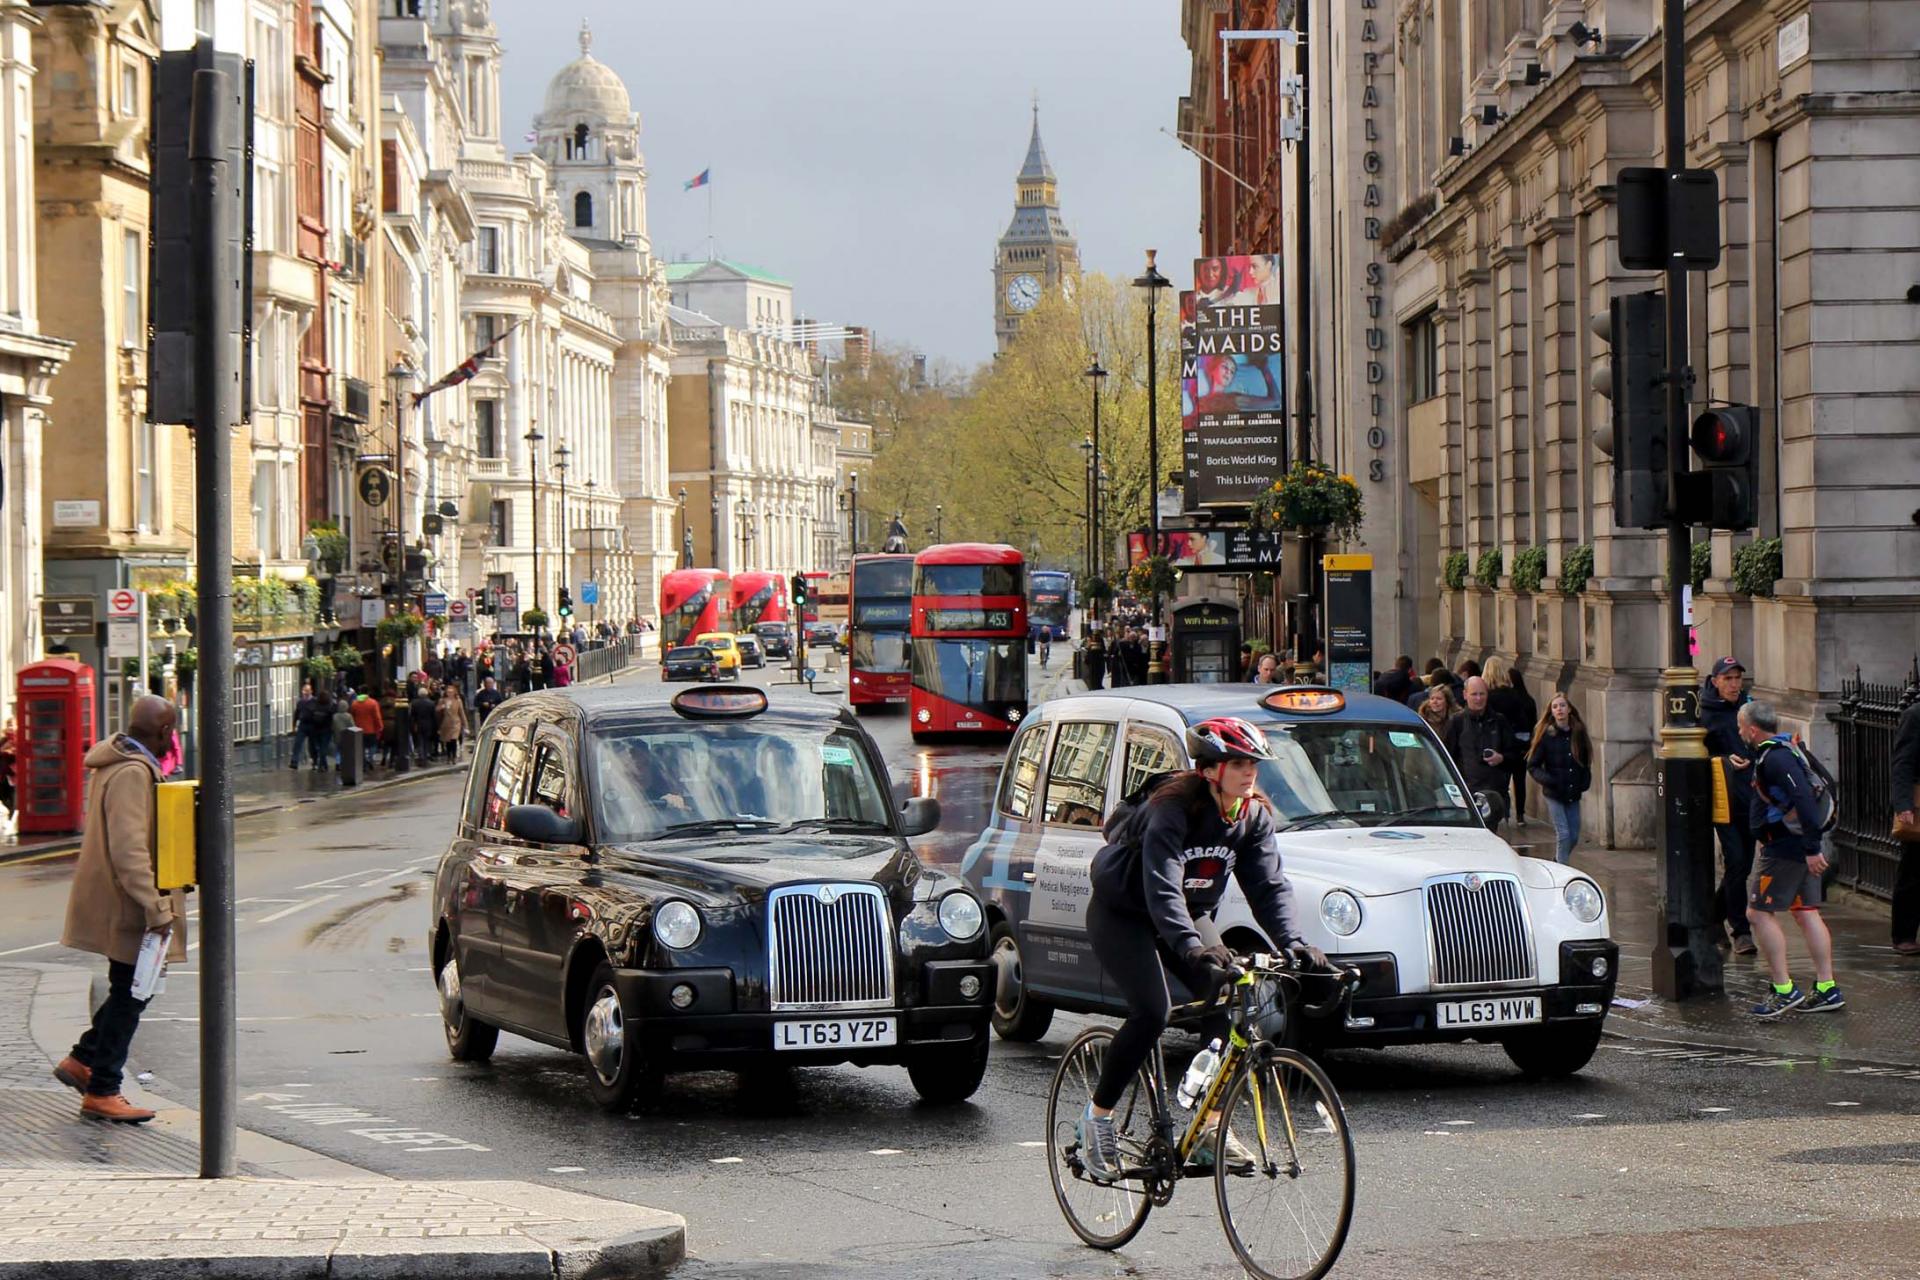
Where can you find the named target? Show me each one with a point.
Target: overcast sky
(866, 149)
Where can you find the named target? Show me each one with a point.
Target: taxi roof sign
(718, 704)
(1305, 700)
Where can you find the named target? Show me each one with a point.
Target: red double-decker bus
(968, 660)
(759, 597)
(879, 626)
(816, 579)
(694, 602)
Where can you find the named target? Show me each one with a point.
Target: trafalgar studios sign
(1232, 385)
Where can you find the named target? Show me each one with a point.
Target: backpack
(1123, 824)
(1826, 800)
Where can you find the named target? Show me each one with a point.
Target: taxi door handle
(1028, 876)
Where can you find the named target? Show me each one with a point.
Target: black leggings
(1136, 960)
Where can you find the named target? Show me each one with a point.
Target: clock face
(1023, 293)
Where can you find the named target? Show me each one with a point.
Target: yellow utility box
(176, 856)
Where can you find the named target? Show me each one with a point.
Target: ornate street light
(1153, 282)
(1095, 376)
(534, 437)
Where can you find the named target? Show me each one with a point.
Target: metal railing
(597, 660)
(1865, 851)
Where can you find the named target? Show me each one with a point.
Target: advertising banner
(1237, 391)
(1349, 621)
(1219, 550)
(1189, 442)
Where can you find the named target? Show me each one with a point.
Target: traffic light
(1634, 326)
(566, 603)
(1724, 491)
(798, 587)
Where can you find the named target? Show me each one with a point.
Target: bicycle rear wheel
(1287, 1216)
(1105, 1215)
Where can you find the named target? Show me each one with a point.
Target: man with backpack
(1786, 813)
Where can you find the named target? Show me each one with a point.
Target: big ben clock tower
(1038, 252)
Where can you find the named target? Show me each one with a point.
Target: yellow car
(725, 651)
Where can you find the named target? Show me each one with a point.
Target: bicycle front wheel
(1287, 1214)
(1105, 1215)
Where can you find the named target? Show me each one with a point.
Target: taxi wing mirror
(919, 815)
(537, 824)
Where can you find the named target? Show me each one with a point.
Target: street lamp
(746, 535)
(1087, 456)
(939, 523)
(397, 378)
(561, 456)
(1095, 376)
(1153, 282)
(853, 501)
(686, 532)
(533, 485)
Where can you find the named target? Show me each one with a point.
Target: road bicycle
(1286, 1214)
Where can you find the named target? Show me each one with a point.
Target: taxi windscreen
(650, 779)
(1325, 773)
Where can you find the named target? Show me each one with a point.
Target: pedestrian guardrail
(598, 661)
(1866, 854)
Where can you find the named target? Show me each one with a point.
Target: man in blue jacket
(1786, 875)
(1720, 702)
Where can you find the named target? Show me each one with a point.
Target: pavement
(92, 1201)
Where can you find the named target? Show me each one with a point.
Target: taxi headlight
(1340, 912)
(677, 925)
(1584, 900)
(960, 916)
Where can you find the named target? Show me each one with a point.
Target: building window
(486, 428)
(490, 250)
(133, 266)
(263, 504)
(1423, 359)
(583, 210)
(246, 703)
(130, 88)
(500, 523)
(486, 329)
(144, 447)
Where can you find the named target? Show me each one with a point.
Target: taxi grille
(1479, 935)
(829, 946)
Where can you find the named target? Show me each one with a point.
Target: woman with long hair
(1438, 706)
(1560, 760)
(1164, 868)
(1507, 694)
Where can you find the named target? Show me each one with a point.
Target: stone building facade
(1492, 139)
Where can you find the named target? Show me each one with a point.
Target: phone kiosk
(1206, 643)
(53, 701)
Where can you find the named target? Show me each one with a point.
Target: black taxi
(713, 878)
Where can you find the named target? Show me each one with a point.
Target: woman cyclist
(1166, 866)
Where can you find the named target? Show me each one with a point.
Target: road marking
(333, 882)
(38, 946)
(377, 882)
(1712, 1111)
(886, 1151)
(298, 906)
(327, 1114)
(1591, 1115)
(1456, 1122)
(1843, 1104)
(1030, 1144)
(726, 1160)
(567, 1168)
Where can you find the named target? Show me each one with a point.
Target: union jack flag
(467, 368)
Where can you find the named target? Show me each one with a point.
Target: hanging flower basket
(1153, 576)
(1095, 589)
(1311, 498)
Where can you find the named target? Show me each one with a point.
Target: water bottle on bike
(1200, 1073)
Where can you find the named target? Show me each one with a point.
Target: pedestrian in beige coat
(115, 902)
(450, 717)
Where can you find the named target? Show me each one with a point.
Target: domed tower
(590, 138)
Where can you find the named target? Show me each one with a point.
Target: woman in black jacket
(1507, 694)
(1560, 760)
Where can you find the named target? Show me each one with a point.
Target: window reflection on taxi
(1360, 775)
(651, 780)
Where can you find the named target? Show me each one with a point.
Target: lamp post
(533, 484)
(1086, 497)
(561, 458)
(746, 535)
(1095, 375)
(719, 539)
(853, 519)
(1153, 282)
(939, 523)
(593, 609)
(396, 380)
(686, 532)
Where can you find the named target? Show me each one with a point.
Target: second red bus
(694, 602)
(968, 661)
(880, 592)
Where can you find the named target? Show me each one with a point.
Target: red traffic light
(1724, 437)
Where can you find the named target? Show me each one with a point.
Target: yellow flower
(1345, 478)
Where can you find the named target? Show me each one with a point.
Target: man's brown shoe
(1906, 948)
(73, 1073)
(115, 1108)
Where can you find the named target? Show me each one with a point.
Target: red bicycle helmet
(1226, 738)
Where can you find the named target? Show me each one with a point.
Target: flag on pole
(466, 368)
(706, 176)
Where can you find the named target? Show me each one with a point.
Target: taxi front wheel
(618, 1074)
(950, 1074)
(468, 1038)
(1554, 1051)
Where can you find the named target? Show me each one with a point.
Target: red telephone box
(54, 705)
